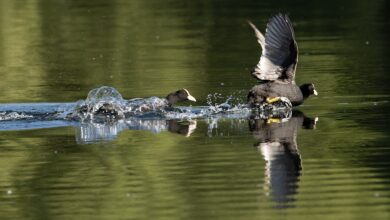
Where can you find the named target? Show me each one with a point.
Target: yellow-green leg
(272, 100)
(273, 120)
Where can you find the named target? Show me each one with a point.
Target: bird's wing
(280, 51)
(259, 35)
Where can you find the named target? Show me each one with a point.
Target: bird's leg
(273, 120)
(272, 100)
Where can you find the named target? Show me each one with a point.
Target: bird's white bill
(315, 92)
(191, 98)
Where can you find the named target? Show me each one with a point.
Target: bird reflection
(278, 145)
(93, 132)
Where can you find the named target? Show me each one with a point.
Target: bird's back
(275, 89)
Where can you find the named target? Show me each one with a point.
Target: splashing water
(103, 101)
(220, 103)
(105, 104)
(104, 114)
(5, 116)
(104, 93)
(139, 106)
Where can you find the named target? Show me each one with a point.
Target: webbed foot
(284, 102)
(270, 100)
(274, 120)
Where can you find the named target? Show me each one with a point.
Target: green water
(57, 51)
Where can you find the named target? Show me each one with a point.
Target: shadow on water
(277, 142)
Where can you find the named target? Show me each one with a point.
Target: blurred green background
(57, 51)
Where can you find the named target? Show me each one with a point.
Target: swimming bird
(277, 66)
(179, 96)
(106, 101)
(142, 105)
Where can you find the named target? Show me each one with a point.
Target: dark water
(57, 51)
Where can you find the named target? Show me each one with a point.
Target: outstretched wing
(280, 51)
(259, 35)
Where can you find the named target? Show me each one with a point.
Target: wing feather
(280, 51)
(259, 35)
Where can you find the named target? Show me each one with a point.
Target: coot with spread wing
(277, 65)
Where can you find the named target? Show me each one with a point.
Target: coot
(277, 65)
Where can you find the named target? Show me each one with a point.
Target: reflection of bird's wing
(280, 51)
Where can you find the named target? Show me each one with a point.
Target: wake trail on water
(106, 103)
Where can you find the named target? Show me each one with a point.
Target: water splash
(106, 104)
(5, 116)
(34, 111)
(222, 103)
(102, 102)
(141, 106)
(104, 114)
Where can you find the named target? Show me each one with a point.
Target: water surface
(57, 51)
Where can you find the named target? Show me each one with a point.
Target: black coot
(277, 65)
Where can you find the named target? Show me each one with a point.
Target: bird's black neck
(305, 91)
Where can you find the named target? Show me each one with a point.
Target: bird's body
(259, 93)
(277, 65)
